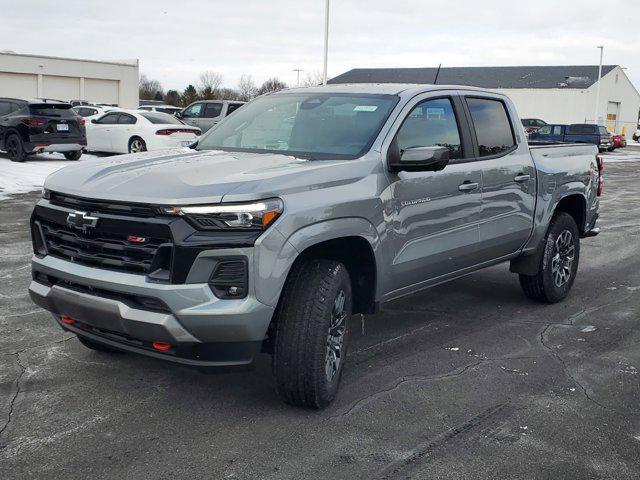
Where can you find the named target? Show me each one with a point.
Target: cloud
(175, 41)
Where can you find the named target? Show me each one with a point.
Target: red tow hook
(162, 346)
(67, 320)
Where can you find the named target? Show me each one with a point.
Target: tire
(308, 361)
(559, 263)
(137, 145)
(98, 347)
(73, 155)
(14, 148)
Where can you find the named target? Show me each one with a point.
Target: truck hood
(183, 176)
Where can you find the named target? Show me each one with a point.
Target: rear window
(492, 126)
(603, 131)
(159, 118)
(578, 129)
(62, 110)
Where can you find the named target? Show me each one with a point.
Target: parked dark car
(532, 124)
(575, 133)
(619, 141)
(36, 126)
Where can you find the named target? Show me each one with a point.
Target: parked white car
(132, 131)
(170, 109)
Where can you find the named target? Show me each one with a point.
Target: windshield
(312, 125)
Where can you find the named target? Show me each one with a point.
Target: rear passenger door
(508, 177)
(122, 132)
(212, 115)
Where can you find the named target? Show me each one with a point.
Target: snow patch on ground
(618, 156)
(29, 176)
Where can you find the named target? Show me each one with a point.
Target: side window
(557, 130)
(540, 123)
(5, 108)
(126, 119)
(193, 111)
(212, 110)
(546, 130)
(492, 126)
(431, 123)
(232, 107)
(108, 119)
(603, 130)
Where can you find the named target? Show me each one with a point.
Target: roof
(127, 63)
(570, 76)
(368, 88)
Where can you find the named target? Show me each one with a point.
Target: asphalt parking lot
(469, 380)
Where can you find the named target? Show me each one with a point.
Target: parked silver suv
(301, 209)
(206, 113)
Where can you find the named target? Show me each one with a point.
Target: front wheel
(73, 155)
(312, 333)
(137, 145)
(559, 263)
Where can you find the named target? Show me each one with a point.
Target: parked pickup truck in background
(301, 209)
(575, 133)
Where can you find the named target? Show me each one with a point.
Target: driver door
(99, 133)
(435, 213)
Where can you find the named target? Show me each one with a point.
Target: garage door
(101, 91)
(60, 88)
(18, 85)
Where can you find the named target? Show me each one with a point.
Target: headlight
(241, 216)
(46, 193)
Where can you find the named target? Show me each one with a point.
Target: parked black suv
(36, 126)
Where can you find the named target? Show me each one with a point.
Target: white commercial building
(555, 94)
(34, 76)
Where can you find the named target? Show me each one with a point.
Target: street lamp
(298, 70)
(601, 47)
(326, 41)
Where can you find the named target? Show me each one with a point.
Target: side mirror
(178, 114)
(419, 159)
(94, 121)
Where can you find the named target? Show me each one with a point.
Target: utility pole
(601, 47)
(298, 70)
(326, 41)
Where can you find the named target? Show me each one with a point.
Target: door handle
(468, 186)
(521, 178)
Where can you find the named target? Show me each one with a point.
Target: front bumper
(202, 329)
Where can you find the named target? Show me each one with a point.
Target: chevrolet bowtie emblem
(81, 221)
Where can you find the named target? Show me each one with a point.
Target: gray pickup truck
(303, 208)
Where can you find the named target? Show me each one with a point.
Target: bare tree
(271, 85)
(148, 89)
(209, 85)
(246, 88)
(312, 79)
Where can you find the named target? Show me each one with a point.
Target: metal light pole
(326, 41)
(601, 47)
(298, 70)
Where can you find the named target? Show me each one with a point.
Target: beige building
(35, 76)
(555, 94)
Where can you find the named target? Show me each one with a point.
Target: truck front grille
(100, 249)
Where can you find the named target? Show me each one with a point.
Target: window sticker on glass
(365, 108)
(435, 112)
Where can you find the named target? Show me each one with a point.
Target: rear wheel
(137, 145)
(15, 149)
(73, 155)
(559, 263)
(98, 347)
(312, 333)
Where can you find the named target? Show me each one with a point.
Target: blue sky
(177, 40)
